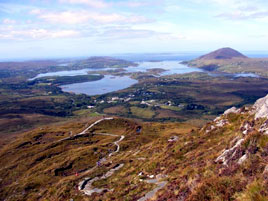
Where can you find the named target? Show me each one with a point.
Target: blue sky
(64, 28)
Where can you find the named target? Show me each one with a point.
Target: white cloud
(125, 33)
(66, 17)
(240, 9)
(80, 17)
(102, 4)
(115, 33)
(245, 15)
(35, 11)
(91, 3)
(135, 4)
(64, 34)
(229, 3)
(8, 21)
(37, 34)
(138, 3)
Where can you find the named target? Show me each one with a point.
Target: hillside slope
(119, 159)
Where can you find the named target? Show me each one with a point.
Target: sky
(73, 28)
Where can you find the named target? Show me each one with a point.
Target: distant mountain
(223, 53)
(104, 62)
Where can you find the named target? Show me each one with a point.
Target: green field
(193, 96)
(142, 112)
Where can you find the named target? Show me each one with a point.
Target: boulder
(260, 108)
(232, 110)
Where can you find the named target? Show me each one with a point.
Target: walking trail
(85, 131)
(151, 194)
(86, 184)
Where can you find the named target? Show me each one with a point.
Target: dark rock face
(224, 53)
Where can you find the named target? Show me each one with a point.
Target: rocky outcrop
(238, 154)
(260, 108)
(264, 128)
(242, 159)
(247, 127)
(232, 110)
(229, 154)
(222, 120)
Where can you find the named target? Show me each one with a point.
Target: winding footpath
(86, 184)
(118, 146)
(84, 131)
(151, 194)
(94, 124)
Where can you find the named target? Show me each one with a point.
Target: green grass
(174, 108)
(191, 159)
(254, 191)
(86, 112)
(142, 112)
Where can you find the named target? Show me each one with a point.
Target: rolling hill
(120, 159)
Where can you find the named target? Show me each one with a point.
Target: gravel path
(151, 194)
(86, 185)
(89, 127)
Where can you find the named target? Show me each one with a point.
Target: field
(194, 96)
(115, 110)
(145, 113)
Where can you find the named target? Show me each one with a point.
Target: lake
(106, 85)
(171, 67)
(114, 83)
(247, 75)
(68, 73)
